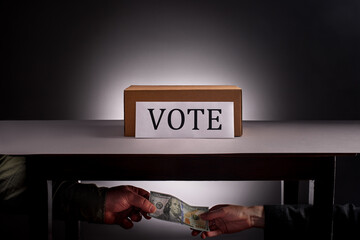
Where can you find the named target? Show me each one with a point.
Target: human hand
(224, 219)
(125, 204)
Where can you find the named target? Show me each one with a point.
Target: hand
(225, 219)
(125, 204)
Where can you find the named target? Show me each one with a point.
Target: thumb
(140, 202)
(213, 214)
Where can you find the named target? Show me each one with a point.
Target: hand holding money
(226, 219)
(125, 205)
(170, 208)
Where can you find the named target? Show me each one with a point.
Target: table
(97, 149)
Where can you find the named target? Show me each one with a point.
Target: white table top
(107, 137)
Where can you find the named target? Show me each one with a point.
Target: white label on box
(184, 120)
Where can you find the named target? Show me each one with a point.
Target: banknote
(170, 208)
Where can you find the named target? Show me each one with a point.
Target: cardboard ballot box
(181, 93)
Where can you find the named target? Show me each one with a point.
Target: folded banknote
(172, 209)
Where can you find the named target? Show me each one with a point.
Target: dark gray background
(294, 60)
(73, 59)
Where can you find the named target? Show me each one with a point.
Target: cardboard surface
(178, 93)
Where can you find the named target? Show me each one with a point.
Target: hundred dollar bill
(170, 208)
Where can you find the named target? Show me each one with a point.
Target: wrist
(257, 216)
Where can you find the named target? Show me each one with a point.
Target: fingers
(141, 202)
(135, 215)
(145, 194)
(126, 223)
(140, 191)
(120, 219)
(204, 235)
(125, 219)
(145, 215)
(195, 233)
(213, 214)
(211, 234)
(214, 231)
(127, 204)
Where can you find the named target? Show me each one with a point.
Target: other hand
(225, 219)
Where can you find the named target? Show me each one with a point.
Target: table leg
(38, 198)
(324, 199)
(290, 192)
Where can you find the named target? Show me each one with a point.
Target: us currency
(170, 208)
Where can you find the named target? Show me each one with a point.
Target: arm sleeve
(287, 221)
(346, 222)
(77, 201)
(12, 177)
(299, 222)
